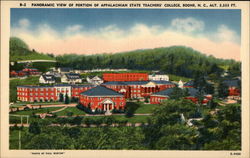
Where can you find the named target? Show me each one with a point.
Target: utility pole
(20, 145)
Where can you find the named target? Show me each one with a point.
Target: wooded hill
(19, 50)
(178, 60)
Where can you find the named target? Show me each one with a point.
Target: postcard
(125, 78)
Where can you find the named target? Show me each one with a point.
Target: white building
(158, 77)
(71, 78)
(95, 80)
(47, 79)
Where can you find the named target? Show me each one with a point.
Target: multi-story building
(77, 89)
(36, 93)
(125, 77)
(102, 98)
(159, 97)
(49, 93)
(138, 89)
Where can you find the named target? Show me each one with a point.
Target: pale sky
(93, 31)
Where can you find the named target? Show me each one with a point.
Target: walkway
(85, 125)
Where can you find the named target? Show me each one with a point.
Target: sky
(94, 31)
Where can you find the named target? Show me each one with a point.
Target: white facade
(95, 80)
(63, 89)
(46, 79)
(158, 77)
(67, 79)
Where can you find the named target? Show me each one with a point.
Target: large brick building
(102, 98)
(159, 97)
(36, 93)
(49, 93)
(125, 77)
(138, 89)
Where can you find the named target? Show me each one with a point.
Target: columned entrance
(108, 105)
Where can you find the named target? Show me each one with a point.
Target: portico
(108, 105)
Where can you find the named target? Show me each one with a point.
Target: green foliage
(177, 93)
(176, 60)
(61, 97)
(177, 137)
(222, 131)
(170, 110)
(34, 128)
(16, 43)
(131, 108)
(222, 90)
(19, 51)
(66, 101)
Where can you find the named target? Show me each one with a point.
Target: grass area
(178, 78)
(74, 110)
(37, 103)
(134, 119)
(29, 112)
(15, 119)
(145, 108)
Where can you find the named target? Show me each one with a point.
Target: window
(41, 89)
(36, 89)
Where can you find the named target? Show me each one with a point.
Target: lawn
(74, 110)
(14, 138)
(178, 78)
(29, 112)
(140, 107)
(145, 108)
(20, 104)
(134, 119)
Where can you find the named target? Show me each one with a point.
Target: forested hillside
(19, 50)
(178, 60)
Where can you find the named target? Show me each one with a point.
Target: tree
(222, 90)
(77, 120)
(177, 137)
(177, 93)
(66, 99)
(61, 97)
(34, 128)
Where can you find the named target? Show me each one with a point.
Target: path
(32, 61)
(85, 125)
(59, 109)
(43, 106)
